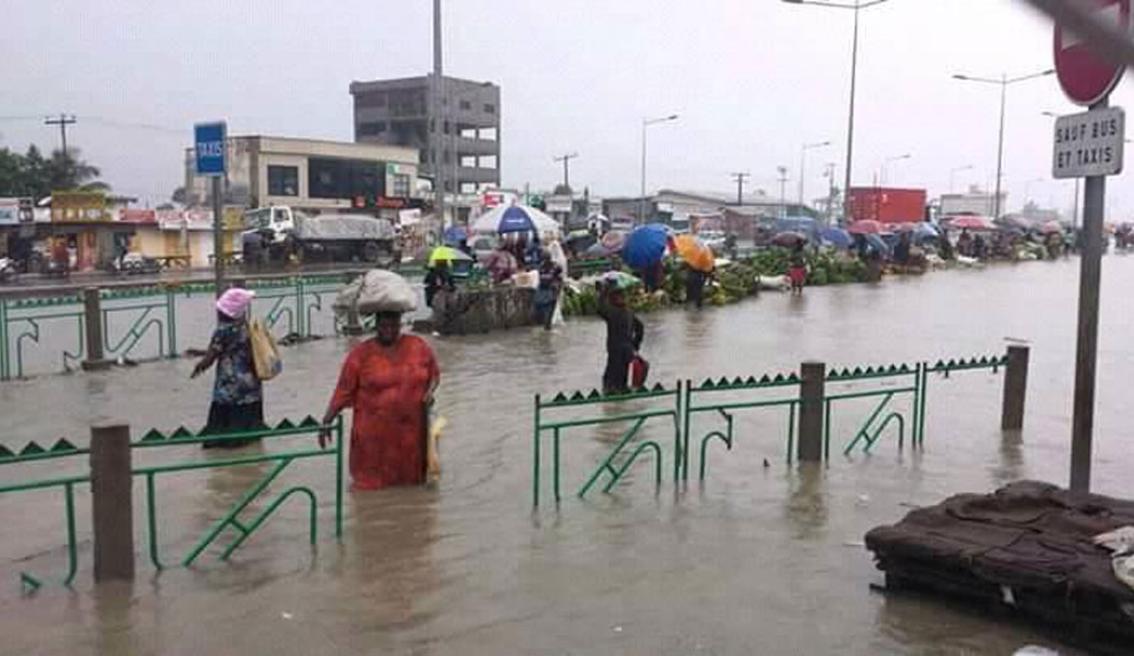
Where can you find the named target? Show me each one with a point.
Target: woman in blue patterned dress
(237, 405)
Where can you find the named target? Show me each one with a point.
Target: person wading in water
(624, 334)
(389, 381)
(238, 401)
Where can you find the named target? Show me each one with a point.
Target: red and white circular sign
(1085, 77)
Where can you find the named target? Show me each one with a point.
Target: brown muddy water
(756, 560)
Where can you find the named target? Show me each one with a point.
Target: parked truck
(887, 204)
(279, 233)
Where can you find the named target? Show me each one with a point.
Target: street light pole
(886, 165)
(856, 8)
(1004, 81)
(647, 122)
(783, 191)
(802, 161)
(952, 172)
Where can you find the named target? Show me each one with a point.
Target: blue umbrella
(515, 218)
(645, 246)
(926, 231)
(455, 235)
(837, 237)
(878, 244)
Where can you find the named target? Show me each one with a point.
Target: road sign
(209, 146)
(1090, 143)
(1085, 77)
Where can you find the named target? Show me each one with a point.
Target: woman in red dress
(388, 381)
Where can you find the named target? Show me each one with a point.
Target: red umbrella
(789, 238)
(1051, 227)
(971, 223)
(866, 227)
(903, 227)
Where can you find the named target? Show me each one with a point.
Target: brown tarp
(1027, 545)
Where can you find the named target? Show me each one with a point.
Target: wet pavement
(757, 559)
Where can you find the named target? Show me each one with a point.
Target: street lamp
(856, 6)
(647, 122)
(1075, 207)
(886, 163)
(783, 190)
(803, 160)
(954, 171)
(1004, 81)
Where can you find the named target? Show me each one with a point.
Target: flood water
(756, 560)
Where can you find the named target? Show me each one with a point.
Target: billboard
(76, 206)
(14, 211)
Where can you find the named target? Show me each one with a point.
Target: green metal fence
(898, 390)
(659, 401)
(699, 399)
(152, 439)
(21, 324)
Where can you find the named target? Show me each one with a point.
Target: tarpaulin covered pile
(1028, 545)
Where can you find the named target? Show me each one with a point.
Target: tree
(33, 175)
(180, 195)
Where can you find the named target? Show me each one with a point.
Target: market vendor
(389, 382)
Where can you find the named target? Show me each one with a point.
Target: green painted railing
(663, 402)
(33, 452)
(20, 326)
(159, 315)
(886, 383)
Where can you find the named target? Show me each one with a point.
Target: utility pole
(63, 121)
(830, 192)
(783, 191)
(739, 177)
(437, 120)
(566, 159)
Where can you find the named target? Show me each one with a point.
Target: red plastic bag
(639, 370)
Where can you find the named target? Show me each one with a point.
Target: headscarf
(234, 302)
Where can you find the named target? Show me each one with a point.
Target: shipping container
(887, 204)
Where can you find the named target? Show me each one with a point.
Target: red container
(887, 204)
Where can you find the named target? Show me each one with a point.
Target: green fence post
(535, 456)
(924, 396)
(300, 320)
(340, 447)
(171, 323)
(916, 404)
(4, 372)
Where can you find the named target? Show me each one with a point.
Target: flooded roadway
(755, 560)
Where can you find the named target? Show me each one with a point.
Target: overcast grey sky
(751, 79)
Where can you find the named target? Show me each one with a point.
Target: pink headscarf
(234, 302)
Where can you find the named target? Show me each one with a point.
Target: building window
(445, 127)
(371, 129)
(401, 185)
(373, 99)
(283, 181)
(345, 178)
(489, 108)
(466, 104)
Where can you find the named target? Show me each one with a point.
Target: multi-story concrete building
(314, 175)
(403, 112)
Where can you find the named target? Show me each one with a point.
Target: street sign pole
(210, 145)
(218, 235)
(1086, 353)
(1089, 146)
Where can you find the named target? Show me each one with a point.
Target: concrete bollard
(813, 379)
(1015, 388)
(112, 503)
(92, 324)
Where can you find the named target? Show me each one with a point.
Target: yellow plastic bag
(265, 354)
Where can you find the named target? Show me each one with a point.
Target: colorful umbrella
(454, 235)
(866, 227)
(1051, 227)
(971, 223)
(516, 218)
(614, 241)
(645, 246)
(620, 280)
(837, 237)
(446, 254)
(694, 252)
(789, 238)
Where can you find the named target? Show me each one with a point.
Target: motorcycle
(8, 271)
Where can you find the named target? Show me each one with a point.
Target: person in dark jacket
(624, 333)
(694, 286)
(436, 279)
